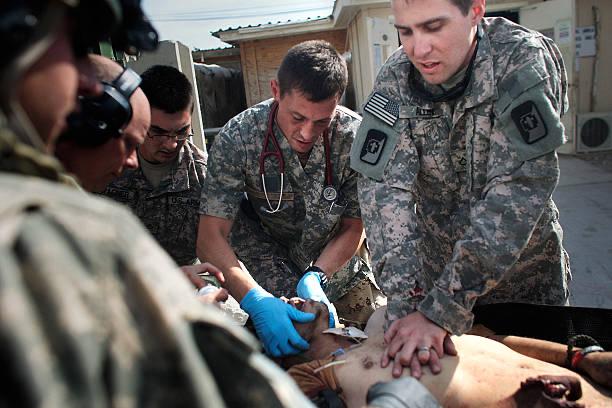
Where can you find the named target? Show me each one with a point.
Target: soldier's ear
(275, 87)
(477, 10)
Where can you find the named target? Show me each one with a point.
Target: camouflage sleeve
(522, 174)
(387, 209)
(348, 189)
(224, 185)
(201, 161)
(100, 315)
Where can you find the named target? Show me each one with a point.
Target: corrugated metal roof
(269, 24)
(229, 47)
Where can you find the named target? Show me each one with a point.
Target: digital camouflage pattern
(170, 211)
(93, 313)
(460, 209)
(277, 248)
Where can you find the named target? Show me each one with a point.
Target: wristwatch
(321, 274)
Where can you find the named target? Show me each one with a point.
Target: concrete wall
(365, 34)
(260, 60)
(176, 55)
(594, 75)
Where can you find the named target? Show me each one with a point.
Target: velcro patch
(529, 122)
(373, 146)
(382, 108)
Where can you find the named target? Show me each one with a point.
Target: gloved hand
(272, 318)
(310, 287)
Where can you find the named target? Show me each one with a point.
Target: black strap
(328, 399)
(247, 208)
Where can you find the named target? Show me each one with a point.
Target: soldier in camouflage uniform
(457, 147)
(93, 313)
(164, 191)
(288, 230)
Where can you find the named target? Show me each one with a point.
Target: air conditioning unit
(593, 132)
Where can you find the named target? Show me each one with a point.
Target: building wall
(593, 73)
(363, 37)
(260, 60)
(227, 57)
(507, 4)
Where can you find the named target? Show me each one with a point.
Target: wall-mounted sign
(563, 32)
(585, 41)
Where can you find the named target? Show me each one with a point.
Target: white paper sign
(563, 32)
(585, 41)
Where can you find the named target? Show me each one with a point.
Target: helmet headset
(103, 117)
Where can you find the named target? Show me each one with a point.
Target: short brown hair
(315, 69)
(463, 5)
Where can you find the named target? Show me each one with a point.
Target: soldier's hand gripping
(311, 287)
(195, 272)
(273, 322)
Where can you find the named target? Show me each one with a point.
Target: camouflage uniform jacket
(457, 198)
(170, 211)
(306, 221)
(87, 321)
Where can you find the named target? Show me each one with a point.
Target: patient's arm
(598, 365)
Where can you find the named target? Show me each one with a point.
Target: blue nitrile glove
(272, 319)
(311, 287)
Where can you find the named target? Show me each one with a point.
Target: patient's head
(320, 323)
(321, 344)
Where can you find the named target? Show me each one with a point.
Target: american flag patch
(383, 108)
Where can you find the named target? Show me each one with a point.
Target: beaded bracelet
(579, 354)
(574, 357)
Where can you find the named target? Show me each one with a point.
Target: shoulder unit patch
(529, 122)
(373, 146)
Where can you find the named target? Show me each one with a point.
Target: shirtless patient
(485, 373)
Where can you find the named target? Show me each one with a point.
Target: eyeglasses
(179, 135)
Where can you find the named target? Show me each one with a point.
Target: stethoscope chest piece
(330, 193)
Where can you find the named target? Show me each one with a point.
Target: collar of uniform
(293, 167)
(482, 84)
(313, 167)
(20, 158)
(177, 179)
(480, 88)
(419, 102)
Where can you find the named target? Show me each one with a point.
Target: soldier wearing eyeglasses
(164, 191)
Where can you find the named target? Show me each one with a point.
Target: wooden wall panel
(261, 59)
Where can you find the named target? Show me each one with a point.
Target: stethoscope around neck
(329, 192)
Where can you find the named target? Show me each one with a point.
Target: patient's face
(321, 321)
